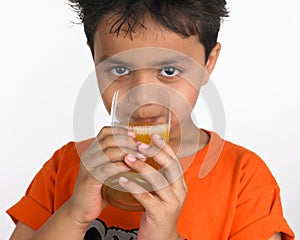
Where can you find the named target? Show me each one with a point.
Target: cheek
(182, 104)
(107, 96)
(107, 93)
(107, 103)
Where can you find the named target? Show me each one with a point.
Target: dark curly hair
(184, 17)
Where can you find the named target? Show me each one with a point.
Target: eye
(169, 72)
(119, 71)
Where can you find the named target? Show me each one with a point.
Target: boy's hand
(162, 208)
(103, 159)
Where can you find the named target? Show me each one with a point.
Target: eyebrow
(172, 60)
(161, 62)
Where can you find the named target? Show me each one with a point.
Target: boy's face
(157, 45)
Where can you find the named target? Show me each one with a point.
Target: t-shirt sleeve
(258, 213)
(36, 207)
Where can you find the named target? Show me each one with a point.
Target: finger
(113, 154)
(107, 170)
(171, 167)
(163, 189)
(118, 140)
(150, 174)
(108, 130)
(150, 202)
(158, 182)
(162, 144)
(99, 152)
(118, 154)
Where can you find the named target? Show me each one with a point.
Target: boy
(236, 198)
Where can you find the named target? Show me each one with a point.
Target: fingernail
(141, 156)
(144, 146)
(123, 179)
(130, 158)
(131, 134)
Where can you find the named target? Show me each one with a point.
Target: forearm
(61, 226)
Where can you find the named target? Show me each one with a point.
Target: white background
(44, 61)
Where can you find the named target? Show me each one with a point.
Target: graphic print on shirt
(99, 231)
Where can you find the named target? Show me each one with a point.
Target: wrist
(72, 214)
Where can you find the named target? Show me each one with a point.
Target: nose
(144, 76)
(143, 84)
(143, 101)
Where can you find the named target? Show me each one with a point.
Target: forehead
(152, 35)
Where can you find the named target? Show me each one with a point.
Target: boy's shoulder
(245, 164)
(224, 156)
(227, 149)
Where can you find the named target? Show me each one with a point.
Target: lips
(148, 119)
(150, 114)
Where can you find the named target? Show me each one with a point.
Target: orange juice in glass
(143, 116)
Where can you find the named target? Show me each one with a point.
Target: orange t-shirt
(231, 195)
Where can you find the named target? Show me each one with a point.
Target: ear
(212, 59)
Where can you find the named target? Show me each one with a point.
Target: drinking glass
(143, 110)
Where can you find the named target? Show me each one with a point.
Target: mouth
(148, 119)
(151, 115)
